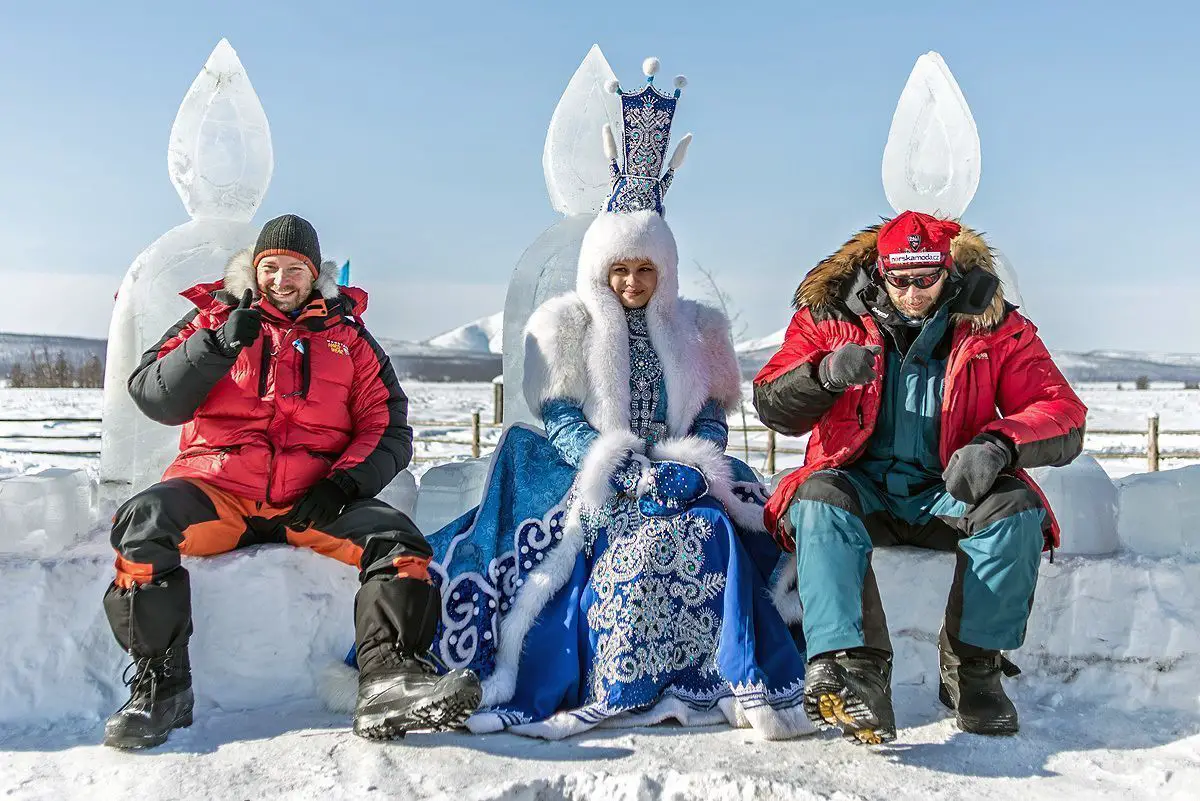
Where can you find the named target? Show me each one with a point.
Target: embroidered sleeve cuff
(604, 458)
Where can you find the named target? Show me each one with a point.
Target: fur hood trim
(573, 351)
(240, 276)
(825, 283)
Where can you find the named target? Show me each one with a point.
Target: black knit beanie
(289, 235)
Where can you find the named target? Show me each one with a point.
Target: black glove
(974, 468)
(242, 328)
(850, 365)
(319, 507)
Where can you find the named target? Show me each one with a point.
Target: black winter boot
(852, 690)
(399, 688)
(971, 686)
(160, 699)
(152, 622)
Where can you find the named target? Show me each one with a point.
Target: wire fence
(467, 438)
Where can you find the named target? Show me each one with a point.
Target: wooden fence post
(497, 402)
(770, 453)
(1152, 443)
(475, 435)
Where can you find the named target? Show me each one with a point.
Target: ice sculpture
(577, 181)
(1084, 500)
(220, 161)
(1008, 278)
(931, 161)
(932, 158)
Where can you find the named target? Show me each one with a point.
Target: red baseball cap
(913, 239)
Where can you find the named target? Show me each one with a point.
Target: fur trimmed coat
(582, 359)
(1000, 378)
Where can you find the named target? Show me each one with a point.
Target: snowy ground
(1067, 748)
(302, 752)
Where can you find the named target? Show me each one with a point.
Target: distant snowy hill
(1110, 365)
(16, 348)
(1096, 365)
(770, 342)
(422, 361)
(485, 335)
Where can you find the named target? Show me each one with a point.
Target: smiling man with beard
(293, 421)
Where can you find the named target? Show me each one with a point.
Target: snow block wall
(44, 513)
(1159, 513)
(1116, 628)
(266, 620)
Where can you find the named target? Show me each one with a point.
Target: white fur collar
(240, 276)
(569, 355)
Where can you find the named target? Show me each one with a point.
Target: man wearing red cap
(927, 397)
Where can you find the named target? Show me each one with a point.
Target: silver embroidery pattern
(646, 117)
(645, 375)
(652, 593)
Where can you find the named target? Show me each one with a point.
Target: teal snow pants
(839, 516)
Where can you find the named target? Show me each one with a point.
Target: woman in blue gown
(616, 571)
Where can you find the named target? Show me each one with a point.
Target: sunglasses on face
(923, 281)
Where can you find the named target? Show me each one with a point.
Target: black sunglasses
(919, 281)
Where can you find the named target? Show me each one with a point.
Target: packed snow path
(303, 752)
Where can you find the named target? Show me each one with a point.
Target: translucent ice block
(1159, 513)
(573, 160)
(1084, 500)
(931, 162)
(448, 491)
(545, 270)
(134, 448)
(44, 513)
(1008, 279)
(220, 158)
(401, 493)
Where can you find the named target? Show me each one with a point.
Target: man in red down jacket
(293, 421)
(927, 396)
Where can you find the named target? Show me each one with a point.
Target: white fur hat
(627, 235)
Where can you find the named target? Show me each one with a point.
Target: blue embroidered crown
(646, 117)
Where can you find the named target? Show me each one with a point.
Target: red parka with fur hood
(312, 397)
(1000, 379)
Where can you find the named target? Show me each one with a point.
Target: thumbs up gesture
(242, 328)
(848, 366)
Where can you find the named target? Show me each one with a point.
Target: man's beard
(915, 313)
(290, 304)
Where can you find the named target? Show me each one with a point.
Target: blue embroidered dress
(576, 617)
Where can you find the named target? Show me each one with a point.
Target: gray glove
(848, 366)
(974, 468)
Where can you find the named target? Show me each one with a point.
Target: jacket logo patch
(914, 241)
(338, 348)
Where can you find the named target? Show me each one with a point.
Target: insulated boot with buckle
(971, 686)
(160, 699)
(851, 690)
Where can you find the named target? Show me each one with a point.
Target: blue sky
(411, 134)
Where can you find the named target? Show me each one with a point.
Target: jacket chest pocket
(331, 367)
(979, 387)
